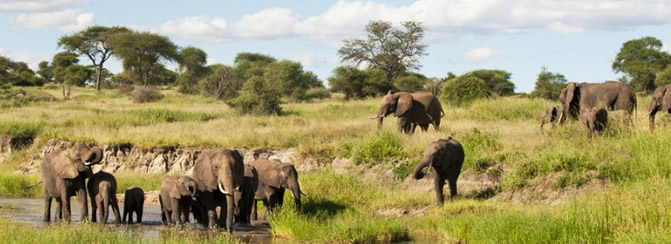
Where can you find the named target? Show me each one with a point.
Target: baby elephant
(102, 190)
(551, 116)
(133, 203)
(595, 119)
(445, 157)
(176, 197)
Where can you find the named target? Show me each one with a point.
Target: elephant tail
(31, 186)
(442, 113)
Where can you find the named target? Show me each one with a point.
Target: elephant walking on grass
(595, 119)
(551, 116)
(412, 109)
(661, 101)
(612, 95)
(445, 157)
(64, 172)
(133, 203)
(274, 178)
(217, 173)
(176, 197)
(102, 189)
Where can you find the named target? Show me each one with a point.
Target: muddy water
(30, 211)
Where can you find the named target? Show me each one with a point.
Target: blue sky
(578, 38)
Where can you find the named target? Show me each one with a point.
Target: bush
(257, 98)
(317, 93)
(377, 148)
(464, 89)
(143, 94)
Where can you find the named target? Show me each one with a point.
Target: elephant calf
(176, 197)
(595, 119)
(133, 203)
(274, 178)
(445, 157)
(550, 115)
(102, 189)
(245, 197)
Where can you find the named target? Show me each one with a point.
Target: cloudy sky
(578, 38)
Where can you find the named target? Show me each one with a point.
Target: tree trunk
(98, 76)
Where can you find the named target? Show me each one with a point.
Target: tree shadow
(322, 208)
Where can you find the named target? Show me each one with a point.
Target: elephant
(218, 173)
(612, 95)
(64, 172)
(595, 119)
(551, 116)
(445, 157)
(412, 109)
(133, 203)
(661, 101)
(176, 197)
(245, 197)
(274, 178)
(102, 189)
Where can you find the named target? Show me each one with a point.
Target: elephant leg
(452, 180)
(439, 182)
(115, 210)
(65, 199)
(253, 214)
(138, 212)
(105, 210)
(280, 197)
(58, 216)
(176, 212)
(125, 213)
(425, 128)
(651, 116)
(94, 209)
(83, 203)
(47, 208)
(266, 204)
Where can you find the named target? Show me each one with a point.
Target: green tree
(548, 84)
(411, 82)
(663, 77)
(60, 64)
(289, 78)
(464, 89)
(248, 65)
(142, 54)
(257, 98)
(46, 71)
(498, 81)
(192, 68)
(641, 59)
(220, 83)
(348, 80)
(392, 50)
(93, 42)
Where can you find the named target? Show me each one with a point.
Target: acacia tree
(142, 53)
(389, 49)
(548, 84)
(641, 59)
(192, 68)
(94, 44)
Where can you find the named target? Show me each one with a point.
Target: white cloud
(32, 58)
(560, 27)
(211, 61)
(66, 20)
(267, 23)
(307, 60)
(36, 5)
(479, 55)
(198, 27)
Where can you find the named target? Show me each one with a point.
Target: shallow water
(30, 211)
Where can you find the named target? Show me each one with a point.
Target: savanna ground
(634, 164)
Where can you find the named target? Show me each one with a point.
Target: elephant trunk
(417, 173)
(296, 191)
(230, 208)
(379, 122)
(94, 156)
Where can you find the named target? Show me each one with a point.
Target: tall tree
(641, 59)
(46, 71)
(548, 84)
(289, 78)
(248, 65)
(142, 53)
(192, 68)
(93, 42)
(389, 49)
(220, 83)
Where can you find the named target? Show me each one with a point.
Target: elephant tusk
(87, 163)
(237, 188)
(375, 117)
(221, 188)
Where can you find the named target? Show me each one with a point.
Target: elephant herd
(219, 179)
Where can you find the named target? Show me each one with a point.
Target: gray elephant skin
(102, 189)
(550, 115)
(595, 119)
(446, 156)
(133, 203)
(412, 110)
(176, 197)
(274, 178)
(218, 173)
(661, 101)
(612, 95)
(245, 197)
(64, 172)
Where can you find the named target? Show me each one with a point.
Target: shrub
(317, 93)
(378, 148)
(144, 94)
(257, 98)
(464, 89)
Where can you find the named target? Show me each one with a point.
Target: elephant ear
(570, 92)
(404, 104)
(666, 100)
(64, 167)
(175, 191)
(203, 172)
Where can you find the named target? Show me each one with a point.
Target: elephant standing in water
(102, 189)
(176, 197)
(445, 157)
(412, 109)
(661, 101)
(274, 178)
(217, 173)
(64, 172)
(612, 95)
(133, 202)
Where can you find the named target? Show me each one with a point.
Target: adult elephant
(446, 156)
(218, 173)
(64, 172)
(612, 95)
(274, 178)
(661, 101)
(411, 109)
